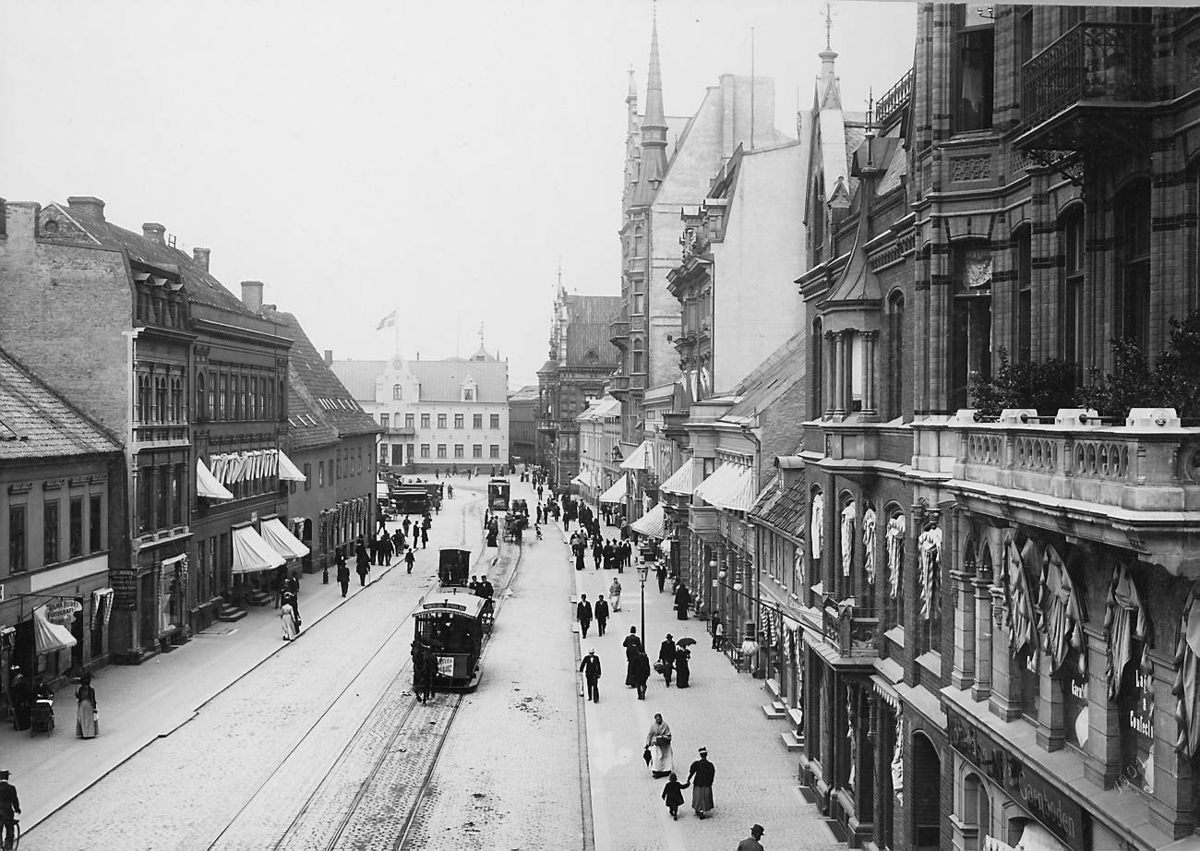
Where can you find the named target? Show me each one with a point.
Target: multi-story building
(62, 524)
(580, 363)
(999, 598)
(522, 424)
(436, 415)
(599, 434)
(331, 440)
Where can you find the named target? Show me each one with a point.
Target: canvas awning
(639, 459)
(651, 524)
(281, 540)
(289, 472)
(207, 484)
(251, 553)
(616, 493)
(48, 637)
(584, 479)
(731, 486)
(683, 481)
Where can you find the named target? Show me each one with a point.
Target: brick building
(522, 424)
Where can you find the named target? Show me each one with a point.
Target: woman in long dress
(614, 594)
(291, 623)
(86, 725)
(662, 761)
(683, 669)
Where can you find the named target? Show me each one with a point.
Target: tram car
(454, 568)
(498, 493)
(450, 624)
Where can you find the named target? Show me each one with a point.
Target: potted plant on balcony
(1045, 385)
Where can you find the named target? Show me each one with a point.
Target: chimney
(3, 217)
(153, 231)
(87, 205)
(201, 255)
(329, 357)
(252, 294)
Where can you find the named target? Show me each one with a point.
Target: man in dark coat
(601, 612)
(409, 559)
(362, 563)
(374, 548)
(666, 655)
(583, 613)
(597, 553)
(660, 573)
(701, 775)
(343, 572)
(683, 599)
(633, 646)
(591, 672)
(639, 672)
(10, 807)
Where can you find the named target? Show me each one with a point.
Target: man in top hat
(752, 843)
(701, 776)
(591, 672)
(10, 807)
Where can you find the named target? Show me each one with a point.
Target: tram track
(371, 793)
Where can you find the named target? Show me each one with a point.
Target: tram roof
(454, 599)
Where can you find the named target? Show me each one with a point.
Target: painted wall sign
(1061, 815)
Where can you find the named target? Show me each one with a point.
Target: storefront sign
(1058, 812)
(124, 584)
(63, 611)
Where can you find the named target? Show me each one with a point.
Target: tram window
(444, 632)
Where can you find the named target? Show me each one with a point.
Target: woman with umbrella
(683, 670)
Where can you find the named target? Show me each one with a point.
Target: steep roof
(782, 369)
(358, 376)
(200, 285)
(319, 387)
(528, 393)
(36, 422)
(588, 331)
(782, 508)
(440, 380)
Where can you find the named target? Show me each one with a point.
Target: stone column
(870, 403)
(962, 676)
(1102, 761)
(1001, 701)
(830, 376)
(839, 376)
(982, 687)
(1050, 706)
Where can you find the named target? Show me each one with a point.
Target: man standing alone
(10, 808)
(591, 672)
(751, 843)
(601, 614)
(583, 612)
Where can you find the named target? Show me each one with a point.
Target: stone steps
(229, 614)
(774, 710)
(791, 742)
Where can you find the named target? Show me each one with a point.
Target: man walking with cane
(591, 672)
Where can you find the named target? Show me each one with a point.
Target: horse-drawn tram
(450, 625)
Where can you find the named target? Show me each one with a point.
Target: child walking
(673, 795)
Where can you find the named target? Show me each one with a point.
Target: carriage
(454, 568)
(515, 525)
(450, 623)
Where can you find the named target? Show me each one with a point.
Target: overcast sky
(359, 156)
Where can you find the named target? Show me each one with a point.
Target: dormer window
(468, 394)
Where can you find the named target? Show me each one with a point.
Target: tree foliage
(1044, 385)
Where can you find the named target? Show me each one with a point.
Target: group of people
(584, 612)
(288, 602)
(611, 554)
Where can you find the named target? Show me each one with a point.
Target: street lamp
(643, 572)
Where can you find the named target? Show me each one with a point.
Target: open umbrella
(686, 642)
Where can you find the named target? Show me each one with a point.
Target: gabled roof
(589, 317)
(36, 422)
(528, 393)
(782, 369)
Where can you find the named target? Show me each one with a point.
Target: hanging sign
(63, 611)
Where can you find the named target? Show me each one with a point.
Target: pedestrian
(343, 572)
(683, 599)
(22, 698)
(385, 547)
(583, 613)
(416, 533)
(591, 672)
(429, 670)
(10, 808)
(683, 668)
(673, 795)
(363, 563)
(752, 843)
(399, 542)
(614, 594)
(660, 574)
(293, 588)
(601, 612)
(701, 775)
(718, 631)
(666, 658)
(597, 553)
(633, 646)
(409, 559)
(374, 548)
(658, 740)
(405, 525)
(86, 718)
(291, 620)
(639, 672)
(280, 584)
(424, 538)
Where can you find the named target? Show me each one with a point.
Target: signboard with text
(62, 612)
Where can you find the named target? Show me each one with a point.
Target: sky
(442, 159)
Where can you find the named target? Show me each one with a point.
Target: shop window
(971, 321)
(95, 523)
(50, 553)
(1073, 277)
(1133, 229)
(1023, 263)
(975, 72)
(17, 537)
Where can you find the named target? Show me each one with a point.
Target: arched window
(1072, 249)
(397, 391)
(639, 357)
(176, 400)
(893, 401)
(1133, 241)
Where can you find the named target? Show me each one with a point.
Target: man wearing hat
(752, 844)
(10, 806)
(701, 776)
(591, 672)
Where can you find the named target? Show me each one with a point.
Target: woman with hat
(87, 724)
(658, 740)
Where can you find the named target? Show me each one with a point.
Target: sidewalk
(138, 704)
(756, 778)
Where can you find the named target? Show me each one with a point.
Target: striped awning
(207, 484)
(640, 458)
(651, 524)
(616, 493)
(683, 481)
(251, 553)
(731, 487)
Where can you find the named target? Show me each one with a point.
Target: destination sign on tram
(446, 605)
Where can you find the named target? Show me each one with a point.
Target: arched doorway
(926, 792)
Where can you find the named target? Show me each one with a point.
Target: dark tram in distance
(498, 493)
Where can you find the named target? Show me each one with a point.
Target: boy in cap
(752, 843)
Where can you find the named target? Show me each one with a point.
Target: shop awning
(616, 493)
(48, 637)
(730, 487)
(639, 459)
(289, 472)
(281, 540)
(207, 484)
(584, 479)
(683, 481)
(251, 553)
(651, 524)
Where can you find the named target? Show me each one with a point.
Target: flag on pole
(388, 321)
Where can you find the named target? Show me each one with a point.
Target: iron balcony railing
(1091, 61)
(894, 100)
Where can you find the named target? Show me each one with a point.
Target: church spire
(829, 87)
(654, 128)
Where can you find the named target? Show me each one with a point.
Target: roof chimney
(201, 255)
(153, 231)
(329, 357)
(87, 205)
(252, 294)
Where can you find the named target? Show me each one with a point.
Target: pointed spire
(654, 128)
(632, 96)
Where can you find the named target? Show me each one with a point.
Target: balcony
(848, 629)
(618, 332)
(401, 431)
(894, 100)
(1090, 88)
(673, 428)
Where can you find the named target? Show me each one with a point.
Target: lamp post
(643, 572)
